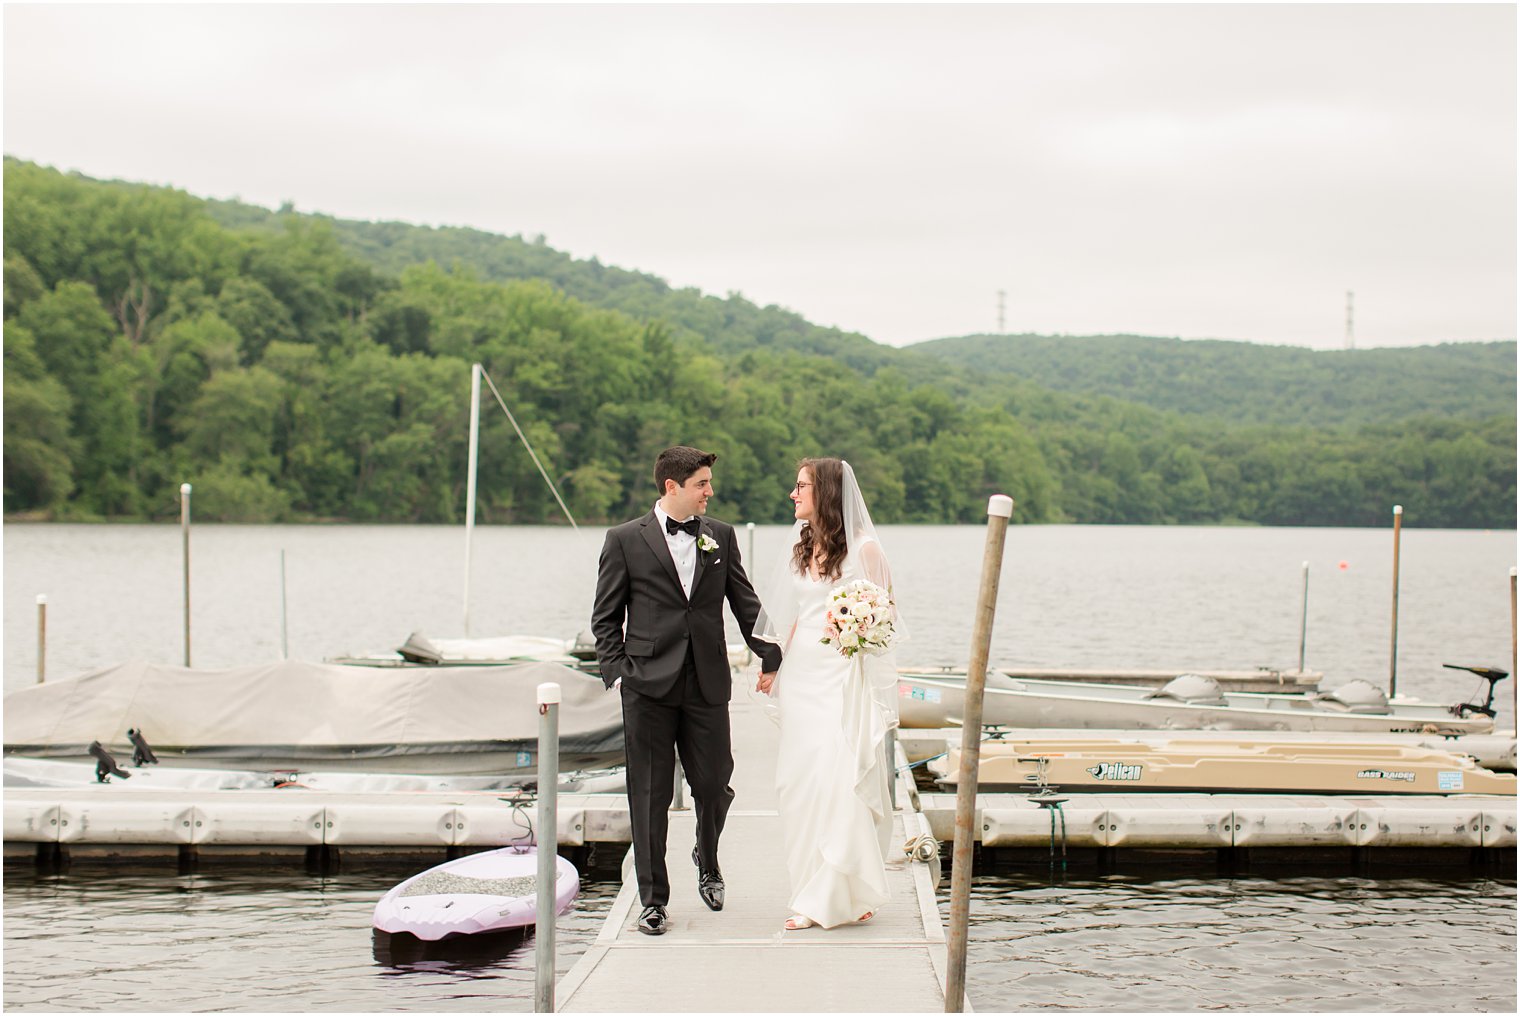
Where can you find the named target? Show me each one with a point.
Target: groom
(665, 576)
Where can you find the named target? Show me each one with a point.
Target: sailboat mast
(469, 502)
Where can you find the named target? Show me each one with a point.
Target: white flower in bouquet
(859, 619)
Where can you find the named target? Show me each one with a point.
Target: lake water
(1070, 596)
(133, 938)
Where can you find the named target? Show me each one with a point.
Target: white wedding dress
(831, 775)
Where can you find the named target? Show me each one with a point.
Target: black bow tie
(673, 527)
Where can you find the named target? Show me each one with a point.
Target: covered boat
(1187, 702)
(323, 717)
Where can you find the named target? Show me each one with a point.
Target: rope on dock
(995, 735)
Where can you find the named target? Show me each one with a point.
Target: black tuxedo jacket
(637, 586)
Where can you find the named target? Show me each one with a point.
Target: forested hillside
(293, 367)
(1253, 383)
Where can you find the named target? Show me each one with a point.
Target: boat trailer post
(999, 510)
(548, 844)
(42, 631)
(1393, 635)
(1303, 624)
(1514, 654)
(184, 526)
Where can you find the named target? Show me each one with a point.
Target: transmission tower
(1350, 336)
(1001, 329)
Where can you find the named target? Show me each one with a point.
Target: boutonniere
(706, 544)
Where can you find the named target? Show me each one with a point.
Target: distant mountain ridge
(1238, 382)
(729, 324)
(1249, 383)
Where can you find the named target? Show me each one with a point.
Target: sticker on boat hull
(1400, 775)
(1118, 771)
(913, 691)
(1446, 780)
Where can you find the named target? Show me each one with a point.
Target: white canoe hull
(928, 701)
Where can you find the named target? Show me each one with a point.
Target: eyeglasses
(800, 486)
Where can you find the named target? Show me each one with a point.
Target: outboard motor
(1191, 689)
(1493, 675)
(1357, 696)
(417, 649)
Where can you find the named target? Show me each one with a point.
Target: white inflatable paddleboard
(496, 890)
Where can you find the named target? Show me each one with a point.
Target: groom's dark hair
(678, 464)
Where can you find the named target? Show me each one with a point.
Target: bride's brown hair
(824, 537)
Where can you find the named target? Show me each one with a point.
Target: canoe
(1188, 702)
(1258, 679)
(1181, 764)
(496, 890)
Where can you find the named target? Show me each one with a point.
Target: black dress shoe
(653, 921)
(709, 883)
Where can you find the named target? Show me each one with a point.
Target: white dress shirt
(683, 548)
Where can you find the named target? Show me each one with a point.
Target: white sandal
(797, 922)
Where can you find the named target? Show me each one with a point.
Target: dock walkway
(740, 959)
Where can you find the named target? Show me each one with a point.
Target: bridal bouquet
(859, 619)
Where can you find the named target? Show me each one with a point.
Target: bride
(831, 775)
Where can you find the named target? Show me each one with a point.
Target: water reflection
(256, 938)
(1311, 942)
(100, 938)
(460, 953)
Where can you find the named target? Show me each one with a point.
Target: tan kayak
(1181, 764)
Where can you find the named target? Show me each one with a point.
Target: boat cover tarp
(326, 707)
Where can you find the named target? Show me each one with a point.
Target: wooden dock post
(285, 614)
(1393, 635)
(1303, 623)
(547, 844)
(999, 510)
(184, 526)
(42, 633)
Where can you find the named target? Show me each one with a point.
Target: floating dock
(741, 959)
(120, 819)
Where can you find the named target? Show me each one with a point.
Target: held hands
(763, 684)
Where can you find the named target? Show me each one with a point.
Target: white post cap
(184, 488)
(1513, 572)
(42, 597)
(1398, 509)
(1000, 505)
(749, 525)
(548, 694)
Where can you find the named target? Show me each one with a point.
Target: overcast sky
(1203, 171)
